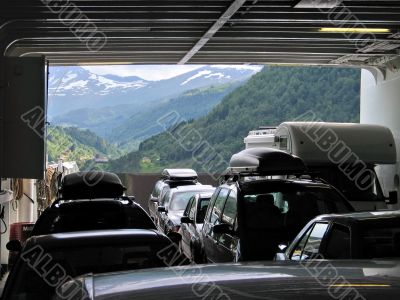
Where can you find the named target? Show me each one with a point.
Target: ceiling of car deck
(202, 32)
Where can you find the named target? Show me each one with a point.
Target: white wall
(380, 104)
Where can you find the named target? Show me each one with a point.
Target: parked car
(85, 214)
(173, 204)
(366, 235)
(90, 201)
(248, 217)
(170, 178)
(370, 280)
(47, 261)
(191, 224)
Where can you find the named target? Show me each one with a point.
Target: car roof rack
(263, 161)
(129, 199)
(91, 185)
(179, 174)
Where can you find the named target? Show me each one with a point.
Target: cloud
(147, 72)
(158, 72)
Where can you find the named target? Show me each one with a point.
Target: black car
(47, 261)
(170, 178)
(86, 214)
(173, 204)
(368, 279)
(191, 225)
(248, 217)
(364, 235)
(90, 201)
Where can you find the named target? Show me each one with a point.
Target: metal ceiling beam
(232, 9)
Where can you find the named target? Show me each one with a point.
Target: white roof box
(373, 144)
(179, 174)
(265, 161)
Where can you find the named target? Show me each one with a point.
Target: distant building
(101, 160)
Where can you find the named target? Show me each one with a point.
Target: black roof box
(179, 174)
(265, 161)
(90, 185)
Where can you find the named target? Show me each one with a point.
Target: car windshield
(277, 214)
(180, 200)
(91, 217)
(31, 282)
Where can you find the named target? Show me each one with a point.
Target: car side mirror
(222, 228)
(14, 245)
(175, 237)
(154, 199)
(186, 220)
(162, 209)
(392, 199)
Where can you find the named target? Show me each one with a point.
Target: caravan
(343, 154)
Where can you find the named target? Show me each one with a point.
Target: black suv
(170, 178)
(248, 216)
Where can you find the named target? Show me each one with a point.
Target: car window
(218, 206)
(165, 196)
(202, 209)
(192, 208)
(180, 200)
(230, 209)
(296, 254)
(188, 207)
(211, 204)
(338, 243)
(381, 240)
(311, 249)
(81, 217)
(289, 207)
(157, 189)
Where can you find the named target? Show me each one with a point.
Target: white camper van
(343, 154)
(263, 137)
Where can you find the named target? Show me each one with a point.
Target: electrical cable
(2, 220)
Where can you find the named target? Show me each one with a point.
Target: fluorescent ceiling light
(317, 3)
(354, 30)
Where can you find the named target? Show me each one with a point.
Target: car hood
(258, 280)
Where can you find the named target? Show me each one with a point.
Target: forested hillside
(274, 95)
(78, 145)
(191, 104)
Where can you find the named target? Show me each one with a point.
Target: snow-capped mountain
(103, 103)
(72, 88)
(76, 81)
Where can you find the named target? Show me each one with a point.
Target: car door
(185, 227)
(213, 218)
(154, 194)
(162, 216)
(227, 243)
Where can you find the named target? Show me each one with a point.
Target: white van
(343, 154)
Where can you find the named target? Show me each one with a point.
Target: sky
(147, 72)
(152, 72)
